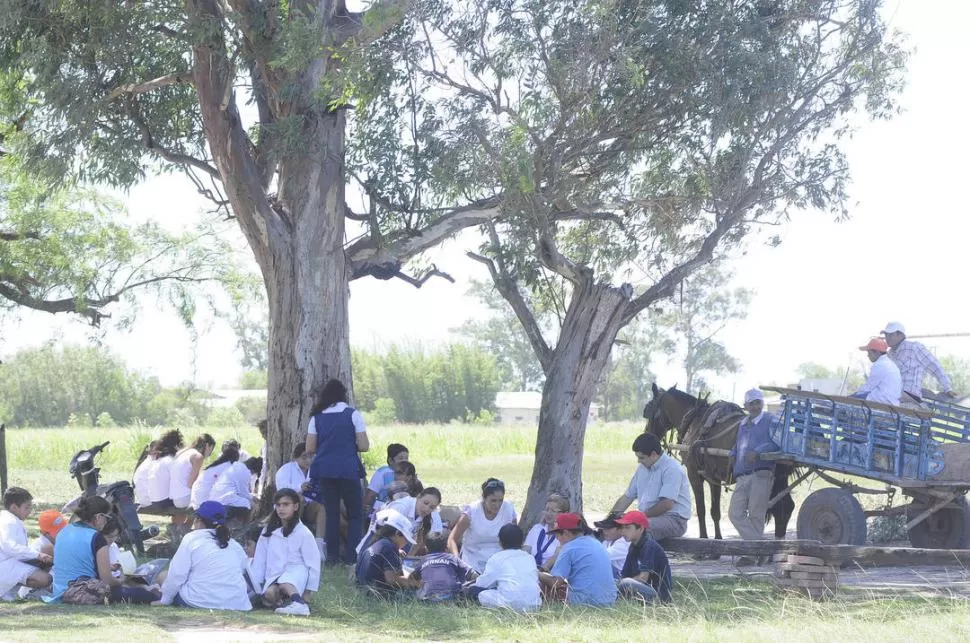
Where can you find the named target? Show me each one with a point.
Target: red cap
(568, 522)
(634, 518)
(876, 344)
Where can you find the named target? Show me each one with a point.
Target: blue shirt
(753, 436)
(586, 566)
(648, 557)
(336, 455)
(380, 557)
(74, 556)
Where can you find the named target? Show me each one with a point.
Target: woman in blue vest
(81, 552)
(335, 436)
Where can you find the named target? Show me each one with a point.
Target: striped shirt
(914, 360)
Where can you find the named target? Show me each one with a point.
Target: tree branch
(82, 306)
(368, 251)
(508, 288)
(150, 85)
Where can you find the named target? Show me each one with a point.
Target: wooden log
(705, 450)
(829, 578)
(808, 561)
(827, 554)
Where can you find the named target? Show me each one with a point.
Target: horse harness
(732, 418)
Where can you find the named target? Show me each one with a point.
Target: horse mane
(684, 397)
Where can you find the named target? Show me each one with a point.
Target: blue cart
(922, 453)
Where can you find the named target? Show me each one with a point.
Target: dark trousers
(333, 490)
(134, 595)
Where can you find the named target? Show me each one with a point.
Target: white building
(522, 407)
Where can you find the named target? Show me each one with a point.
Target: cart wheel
(832, 516)
(946, 529)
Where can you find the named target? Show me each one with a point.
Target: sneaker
(294, 609)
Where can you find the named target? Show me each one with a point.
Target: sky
(822, 293)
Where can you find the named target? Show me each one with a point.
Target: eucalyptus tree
(249, 99)
(628, 143)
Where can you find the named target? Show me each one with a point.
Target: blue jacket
(754, 437)
(647, 556)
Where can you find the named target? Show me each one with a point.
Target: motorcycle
(120, 495)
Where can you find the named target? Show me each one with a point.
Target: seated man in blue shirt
(646, 571)
(581, 563)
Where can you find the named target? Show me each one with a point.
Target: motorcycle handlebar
(99, 448)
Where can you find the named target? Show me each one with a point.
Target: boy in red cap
(49, 523)
(646, 572)
(582, 564)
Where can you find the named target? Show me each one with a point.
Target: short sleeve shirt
(586, 566)
(665, 479)
(380, 557)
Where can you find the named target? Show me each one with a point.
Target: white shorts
(295, 575)
(12, 574)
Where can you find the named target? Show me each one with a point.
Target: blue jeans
(632, 588)
(333, 491)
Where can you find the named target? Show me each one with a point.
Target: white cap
(894, 327)
(754, 394)
(397, 520)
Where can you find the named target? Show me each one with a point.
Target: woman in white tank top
(185, 469)
(475, 535)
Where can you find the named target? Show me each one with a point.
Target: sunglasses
(495, 484)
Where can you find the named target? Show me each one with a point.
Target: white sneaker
(294, 609)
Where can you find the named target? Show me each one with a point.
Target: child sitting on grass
(511, 578)
(380, 571)
(49, 523)
(15, 551)
(287, 563)
(441, 573)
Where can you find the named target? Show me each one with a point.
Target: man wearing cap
(913, 360)
(753, 476)
(884, 384)
(660, 487)
(614, 542)
(646, 570)
(581, 563)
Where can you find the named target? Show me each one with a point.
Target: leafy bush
(105, 421)
(226, 417)
(253, 409)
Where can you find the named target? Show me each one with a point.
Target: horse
(701, 424)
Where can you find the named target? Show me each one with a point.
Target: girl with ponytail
(209, 569)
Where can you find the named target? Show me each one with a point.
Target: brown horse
(700, 424)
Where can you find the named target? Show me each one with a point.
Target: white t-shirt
(480, 540)
(291, 476)
(514, 579)
(114, 557)
(234, 487)
(181, 468)
(203, 484)
(160, 482)
(208, 577)
(355, 417)
(140, 480)
(549, 543)
(405, 506)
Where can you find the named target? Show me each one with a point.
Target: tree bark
(589, 328)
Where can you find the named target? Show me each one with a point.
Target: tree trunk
(590, 326)
(307, 286)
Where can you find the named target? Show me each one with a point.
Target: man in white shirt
(914, 360)
(884, 384)
(660, 487)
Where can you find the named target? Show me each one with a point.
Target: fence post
(3, 458)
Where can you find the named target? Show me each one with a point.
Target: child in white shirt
(510, 579)
(15, 550)
(286, 567)
(539, 541)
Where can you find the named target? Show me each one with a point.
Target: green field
(457, 458)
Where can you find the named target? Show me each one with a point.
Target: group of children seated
(409, 551)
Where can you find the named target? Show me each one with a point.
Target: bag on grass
(86, 591)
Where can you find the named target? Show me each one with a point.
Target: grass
(457, 459)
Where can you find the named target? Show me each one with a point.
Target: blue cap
(212, 511)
